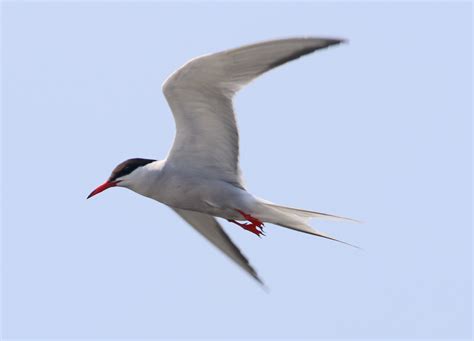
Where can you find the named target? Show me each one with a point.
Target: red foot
(255, 226)
(253, 221)
(249, 227)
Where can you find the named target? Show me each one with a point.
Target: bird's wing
(210, 228)
(200, 96)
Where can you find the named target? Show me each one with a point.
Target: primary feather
(200, 96)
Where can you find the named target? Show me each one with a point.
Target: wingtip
(327, 41)
(265, 288)
(259, 280)
(336, 41)
(262, 284)
(344, 41)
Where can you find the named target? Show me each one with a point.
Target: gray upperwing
(210, 228)
(200, 96)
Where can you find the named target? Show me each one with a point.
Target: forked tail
(297, 219)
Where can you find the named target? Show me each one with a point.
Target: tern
(200, 179)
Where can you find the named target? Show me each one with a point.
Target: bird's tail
(297, 219)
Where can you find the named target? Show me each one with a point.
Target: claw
(253, 220)
(249, 227)
(252, 228)
(255, 226)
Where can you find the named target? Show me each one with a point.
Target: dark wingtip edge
(259, 280)
(335, 41)
(262, 284)
(304, 51)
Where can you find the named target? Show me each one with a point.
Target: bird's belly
(216, 198)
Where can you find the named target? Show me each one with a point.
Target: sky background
(378, 129)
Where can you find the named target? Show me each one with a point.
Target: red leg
(249, 227)
(252, 220)
(255, 226)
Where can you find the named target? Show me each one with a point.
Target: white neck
(143, 179)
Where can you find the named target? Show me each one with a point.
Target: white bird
(200, 178)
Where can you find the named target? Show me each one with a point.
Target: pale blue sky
(378, 129)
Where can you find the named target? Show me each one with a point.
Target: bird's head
(124, 175)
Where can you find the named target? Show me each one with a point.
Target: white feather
(200, 95)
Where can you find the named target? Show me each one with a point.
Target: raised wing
(200, 96)
(211, 229)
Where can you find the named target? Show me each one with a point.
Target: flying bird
(200, 179)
